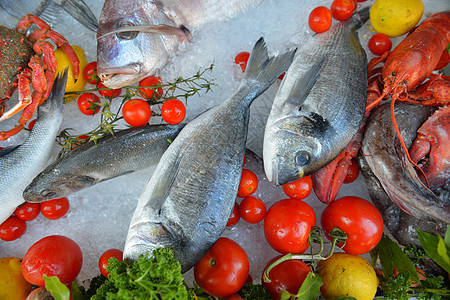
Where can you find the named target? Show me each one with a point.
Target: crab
(28, 60)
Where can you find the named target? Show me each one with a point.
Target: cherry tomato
(341, 10)
(55, 209)
(31, 125)
(443, 61)
(358, 218)
(241, 59)
(53, 255)
(320, 19)
(12, 228)
(289, 276)
(287, 225)
(153, 90)
(87, 103)
(252, 210)
(352, 172)
(83, 138)
(379, 43)
(107, 92)
(223, 270)
(298, 189)
(248, 184)
(103, 261)
(173, 111)
(28, 211)
(136, 112)
(235, 217)
(90, 72)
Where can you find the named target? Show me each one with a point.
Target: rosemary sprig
(181, 88)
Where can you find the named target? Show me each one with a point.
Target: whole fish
(136, 38)
(387, 160)
(188, 200)
(20, 165)
(127, 151)
(319, 105)
(11, 11)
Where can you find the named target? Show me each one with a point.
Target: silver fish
(387, 160)
(319, 105)
(136, 38)
(11, 11)
(187, 202)
(20, 165)
(126, 152)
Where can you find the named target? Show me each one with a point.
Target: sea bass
(320, 103)
(11, 11)
(387, 160)
(188, 200)
(20, 165)
(127, 151)
(136, 38)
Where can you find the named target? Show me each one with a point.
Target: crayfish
(26, 60)
(404, 78)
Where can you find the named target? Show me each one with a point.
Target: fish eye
(48, 194)
(126, 35)
(302, 158)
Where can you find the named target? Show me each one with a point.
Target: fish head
(125, 58)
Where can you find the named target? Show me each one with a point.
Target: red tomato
(103, 261)
(87, 103)
(341, 10)
(298, 189)
(358, 218)
(107, 92)
(235, 217)
(352, 172)
(241, 59)
(173, 111)
(379, 43)
(320, 19)
(287, 225)
(90, 72)
(83, 138)
(53, 255)
(252, 210)
(136, 112)
(55, 209)
(153, 89)
(28, 211)
(248, 184)
(443, 61)
(12, 228)
(289, 276)
(31, 125)
(223, 270)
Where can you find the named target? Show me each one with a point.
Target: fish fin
(82, 13)
(50, 13)
(83, 181)
(264, 69)
(182, 32)
(304, 85)
(118, 175)
(56, 95)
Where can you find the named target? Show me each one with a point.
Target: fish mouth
(115, 78)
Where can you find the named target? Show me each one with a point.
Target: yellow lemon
(63, 62)
(12, 283)
(395, 17)
(346, 275)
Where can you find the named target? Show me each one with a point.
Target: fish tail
(362, 16)
(56, 95)
(264, 69)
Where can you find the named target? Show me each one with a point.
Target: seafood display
(11, 11)
(127, 151)
(302, 133)
(136, 38)
(20, 165)
(28, 60)
(187, 202)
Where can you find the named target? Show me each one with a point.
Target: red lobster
(404, 70)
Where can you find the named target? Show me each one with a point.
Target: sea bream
(136, 38)
(320, 103)
(187, 202)
(124, 152)
(21, 164)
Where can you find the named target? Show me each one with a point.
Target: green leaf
(435, 247)
(53, 285)
(447, 237)
(309, 290)
(385, 255)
